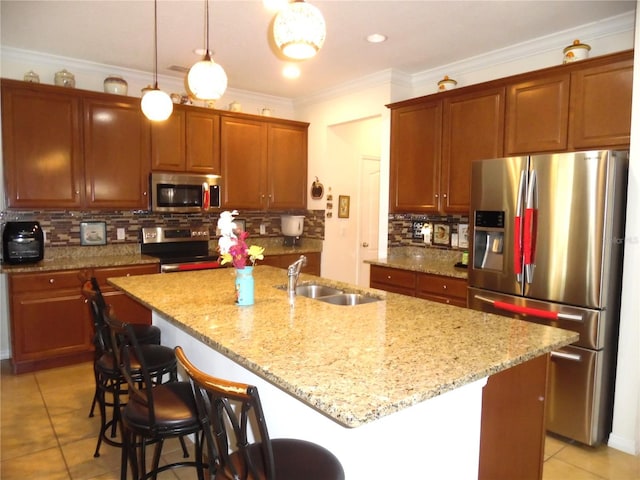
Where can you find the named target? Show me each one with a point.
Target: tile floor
(46, 434)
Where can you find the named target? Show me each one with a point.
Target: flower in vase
(233, 247)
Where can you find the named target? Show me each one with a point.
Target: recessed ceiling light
(291, 71)
(376, 38)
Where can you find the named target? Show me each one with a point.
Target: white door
(368, 216)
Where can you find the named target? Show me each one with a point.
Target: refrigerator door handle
(530, 228)
(566, 356)
(536, 312)
(517, 227)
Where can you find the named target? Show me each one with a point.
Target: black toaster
(22, 242)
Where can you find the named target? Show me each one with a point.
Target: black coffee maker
(22, 242)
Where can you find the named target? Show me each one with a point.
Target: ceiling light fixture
(299, 30)
(291, 71)
(207, 80)
(156, 104)
(376, 38)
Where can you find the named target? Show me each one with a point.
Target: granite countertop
(353, 363)
(426, 260)
(78, 258)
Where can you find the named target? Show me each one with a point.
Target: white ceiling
(422, 35)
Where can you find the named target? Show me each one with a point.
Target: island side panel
(442, 434)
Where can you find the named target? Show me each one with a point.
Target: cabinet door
(416, 133)
(203, 143)
(168, 149)
(601, 106)
(287, 167)
(473, 129)
(538, 115)
(41, 147)
(116, 148)
(243, 158)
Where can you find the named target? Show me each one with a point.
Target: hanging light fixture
(299, 30)
(156, 104)
(207, 80)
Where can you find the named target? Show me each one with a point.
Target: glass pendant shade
(299, 30)
(207, 80)
(156, 105)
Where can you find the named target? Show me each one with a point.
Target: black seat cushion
(146, 334)
(175, 409)
(157, 358)
(294, 460)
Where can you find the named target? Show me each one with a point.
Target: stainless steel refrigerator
(547, 247)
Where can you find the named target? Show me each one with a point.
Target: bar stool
(227, 409)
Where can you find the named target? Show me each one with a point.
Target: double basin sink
(335, 296)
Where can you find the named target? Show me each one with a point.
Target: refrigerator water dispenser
(488, 240)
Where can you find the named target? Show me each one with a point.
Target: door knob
(365, 244)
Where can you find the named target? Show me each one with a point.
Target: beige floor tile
(83, 465)
(552, 445)
(74, 398)
(66, 377)
(558, 470)
(74, 426)
(606, 462)
(47, 464)
(25, 433)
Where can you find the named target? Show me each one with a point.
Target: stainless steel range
(179, 249)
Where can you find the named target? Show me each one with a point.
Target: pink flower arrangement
(233, 247)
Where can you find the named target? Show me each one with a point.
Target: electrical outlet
(120, 233)
(263, 229)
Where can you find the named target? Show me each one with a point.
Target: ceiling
(421, 35)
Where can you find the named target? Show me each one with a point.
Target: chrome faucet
(293, 272)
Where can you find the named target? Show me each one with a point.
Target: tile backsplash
(402, 228)
(62, 228)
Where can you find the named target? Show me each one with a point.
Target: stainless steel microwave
(184, 192)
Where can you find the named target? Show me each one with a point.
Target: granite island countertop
(355, 364)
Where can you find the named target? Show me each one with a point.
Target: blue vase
(244, 286)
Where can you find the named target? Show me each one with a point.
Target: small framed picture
(343, 206)
(93, 233)
(463, 235)
(441, 234)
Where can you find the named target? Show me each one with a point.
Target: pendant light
(156, 104)
(207, 80)
(299, 30)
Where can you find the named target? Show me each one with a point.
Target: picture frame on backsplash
(463, 235)
(93, 233)
(441, 234)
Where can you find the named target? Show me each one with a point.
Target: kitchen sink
(348, 299)
(315, 291)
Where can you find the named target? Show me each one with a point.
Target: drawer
(102, 274)
(443, 286)
(393, 277)
(41, 282)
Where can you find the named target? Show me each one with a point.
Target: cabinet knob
(444, 195)
(437, 196)
(388, 277)
(51, 281)
(444, 287)
(144, 194)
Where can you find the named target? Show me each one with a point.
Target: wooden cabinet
(433, 144)
(116, 154)
(538, 115)
(600, 114)
(473, 129)
(188, 141)
(263, 163)
(393, 280)
(442, 289)
(283, 261)
(50, 321)
(437, 288)
(513, 422)
(42, 146)
(66, 148)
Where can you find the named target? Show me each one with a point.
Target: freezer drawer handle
(529, 310)
(574, 357)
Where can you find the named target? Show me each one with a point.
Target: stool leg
(100, 397)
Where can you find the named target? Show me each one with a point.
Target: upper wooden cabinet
(600, 114)
(538, 115)
(116, 153)
(66, 148)
(433, 144)
(42, 147)
(263, 163)
(188, 141)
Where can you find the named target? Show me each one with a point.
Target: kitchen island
(392, 387)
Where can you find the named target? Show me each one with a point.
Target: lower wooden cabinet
(283, 261)
(437, 288)
(51, 323)
(513, 422)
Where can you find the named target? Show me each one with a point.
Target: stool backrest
(97, 304)
(227, 409)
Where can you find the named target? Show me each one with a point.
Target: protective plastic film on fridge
(547, 247)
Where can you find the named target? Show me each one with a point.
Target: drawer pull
(51, 281)
(444, 287)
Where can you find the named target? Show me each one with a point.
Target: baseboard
(623, 444)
